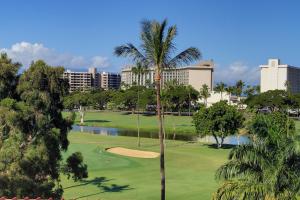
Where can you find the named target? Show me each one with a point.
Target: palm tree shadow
(112, 188)
(96, 181)
(115, 188)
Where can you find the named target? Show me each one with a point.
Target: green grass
(190, 169)
(297, 124)
(183, 124)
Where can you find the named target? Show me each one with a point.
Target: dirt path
(132, 153)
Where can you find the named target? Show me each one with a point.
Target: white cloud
(99, 61)
(26, 52)
(237, 71)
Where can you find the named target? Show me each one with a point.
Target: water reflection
(233, 140)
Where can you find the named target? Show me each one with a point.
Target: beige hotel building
(196, 75)
(278, 76)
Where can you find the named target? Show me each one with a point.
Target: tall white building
(275, 75)
(196, 75)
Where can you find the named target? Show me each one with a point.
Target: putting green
(190, 169)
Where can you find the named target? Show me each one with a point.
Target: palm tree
(229, 90)
(156, 51)
(257, 89)
(268, 168)
(249, 91)
(257, 171)
(205, 93)
(239, 86)
(220, 88)
(138, 70)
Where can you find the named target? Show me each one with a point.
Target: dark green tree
(220, 88)
(273, 99)
(230, 91)
(8, 76)
(205, 93)
(220, 120)
(78, 100)
(33, 133)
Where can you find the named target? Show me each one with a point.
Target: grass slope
(183, 124)
(190, 170)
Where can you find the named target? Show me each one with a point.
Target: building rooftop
(205, 64)
(275, 62)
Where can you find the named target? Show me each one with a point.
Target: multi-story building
(196, 75)
(81, 81)
(110, 80)
(279, 76)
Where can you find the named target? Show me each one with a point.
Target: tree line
(175, 98)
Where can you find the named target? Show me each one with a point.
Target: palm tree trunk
(81, 112)
(161, 140)
(174, 128)
(138, 114)
(163, 122)
(189, 104)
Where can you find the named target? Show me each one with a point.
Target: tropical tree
(205, 93)
(220, 88)
(230, 91)
(239, 88)
(8, 76)
(266, 168)
(33, 133)
(220, 120)
(249, 91)
(193, 96)
(273, 99)
(257, 89)
(126, 99)
(138, 70)
(78, 100)
(100, 98)
(156, 50)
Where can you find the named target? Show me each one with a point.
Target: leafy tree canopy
(33, 133)
(219, 120)
(272, 99)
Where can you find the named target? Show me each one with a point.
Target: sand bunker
(132, 152)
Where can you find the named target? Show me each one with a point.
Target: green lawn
(183, 124)
(190, 169)
(297, 123)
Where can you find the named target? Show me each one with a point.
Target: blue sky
(238, 35)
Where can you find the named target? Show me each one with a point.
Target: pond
(232, 140)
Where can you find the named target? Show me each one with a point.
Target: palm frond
(185, 57)
(129, 50)
(236, 169)
(168, 46)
